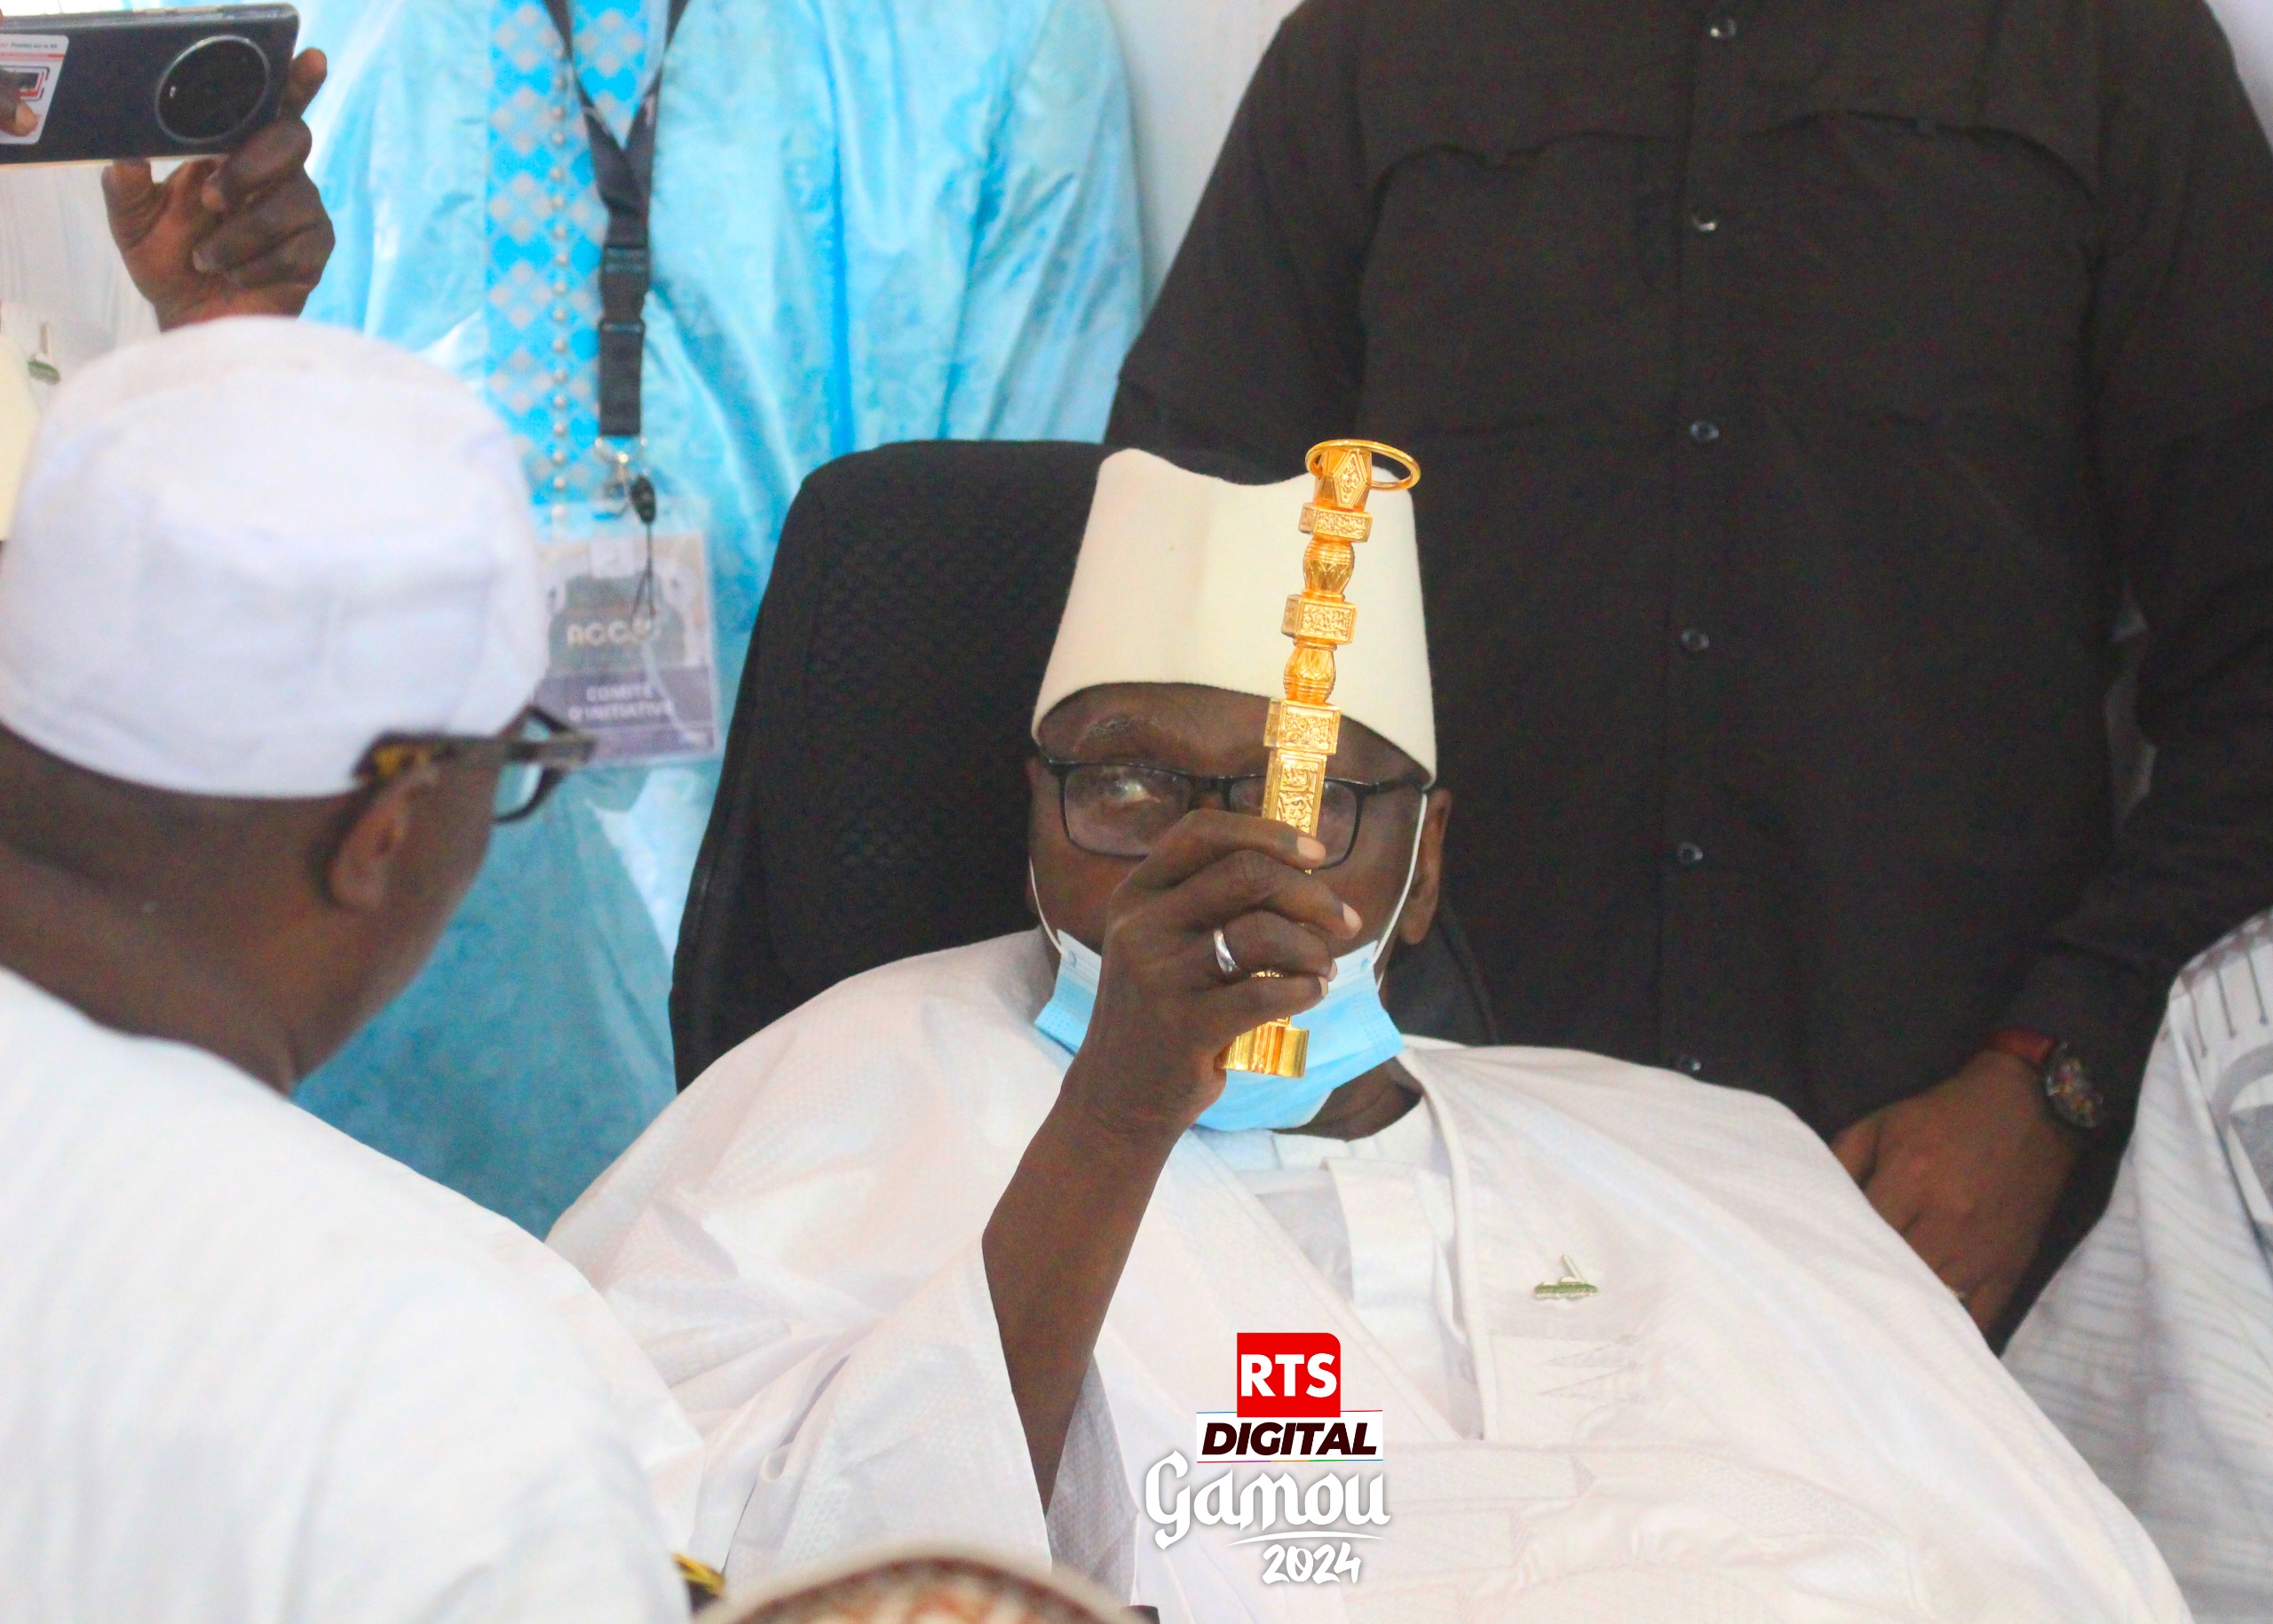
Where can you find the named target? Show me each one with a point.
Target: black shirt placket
(1707, 432)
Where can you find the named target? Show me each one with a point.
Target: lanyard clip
(637, 492)
(629, 484)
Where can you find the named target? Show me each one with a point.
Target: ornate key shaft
(1303, 727)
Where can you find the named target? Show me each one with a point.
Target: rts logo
(1289, 1387)
(1289, 1374)
(1289, 1392)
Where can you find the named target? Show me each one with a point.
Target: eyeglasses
(531, 758)
(1120, 808)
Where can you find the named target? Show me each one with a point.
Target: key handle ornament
(1303, 727)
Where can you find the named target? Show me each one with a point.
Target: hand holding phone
(161, 83)
(245, 234)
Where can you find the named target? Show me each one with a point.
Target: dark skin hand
(1968, 1173)
(244, 236)
(1164, 1012)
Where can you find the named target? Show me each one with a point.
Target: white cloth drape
(1771, 1411)
(1377, 1217)
(249, 1370)
(2153, 1349)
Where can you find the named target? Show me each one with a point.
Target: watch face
(2068, 1089)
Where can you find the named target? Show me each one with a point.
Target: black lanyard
(625, 174)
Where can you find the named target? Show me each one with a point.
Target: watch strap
(2024, 1045)
(2070, 1093)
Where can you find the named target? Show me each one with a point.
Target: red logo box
(1284, 1373)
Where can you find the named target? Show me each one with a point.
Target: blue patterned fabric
(874, 220)
(547, 222)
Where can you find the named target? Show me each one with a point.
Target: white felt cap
(245, 549)
(1182, 578)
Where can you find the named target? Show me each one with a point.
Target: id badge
(632, 659)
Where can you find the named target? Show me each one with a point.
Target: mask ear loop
(1389, 937)
(1033, 887)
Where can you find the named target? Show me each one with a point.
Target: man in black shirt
(1803, 389)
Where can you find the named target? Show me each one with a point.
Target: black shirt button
(1691, 1064)
(1689, 854)
(1721, 27)
(1704, 432)
(1703, 222)
(1695, 642)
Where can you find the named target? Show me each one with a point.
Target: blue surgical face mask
(1351, 1033)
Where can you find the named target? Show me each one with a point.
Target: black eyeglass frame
(559, 752)
(1219, 785)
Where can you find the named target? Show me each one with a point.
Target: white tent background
(1189, 62)
(2249, 25)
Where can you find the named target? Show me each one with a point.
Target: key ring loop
(1412, 469)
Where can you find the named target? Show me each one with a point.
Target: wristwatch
(2070, 1093)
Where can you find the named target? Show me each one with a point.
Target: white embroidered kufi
(1182, 579)
(245, 549)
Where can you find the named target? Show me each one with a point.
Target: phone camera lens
(212, 89)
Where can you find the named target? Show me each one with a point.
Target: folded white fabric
(245, 549)
(2153, 1349)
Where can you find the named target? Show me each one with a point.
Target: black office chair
(873, 801)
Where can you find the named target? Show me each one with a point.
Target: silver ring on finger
(1224, 961)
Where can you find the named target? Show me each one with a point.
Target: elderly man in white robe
(269, 625)
(973, 1246)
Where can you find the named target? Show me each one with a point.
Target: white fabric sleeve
(2152, 1348)
(1092, 1515)
(908, 1433)
(662, 1440)
(474, 1470)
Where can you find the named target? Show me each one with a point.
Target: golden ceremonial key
(1303, 727)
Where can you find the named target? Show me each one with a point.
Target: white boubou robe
(2153, 1349)
(252, 1371)
(1771, 1410)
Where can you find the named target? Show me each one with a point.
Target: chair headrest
(879, 741)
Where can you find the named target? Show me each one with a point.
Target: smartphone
(145, 84)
